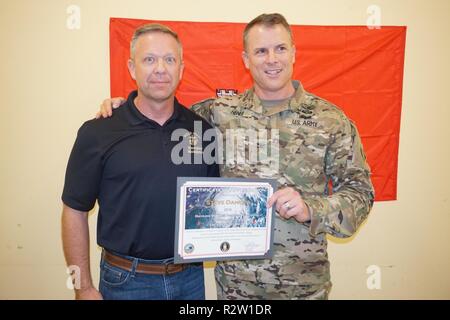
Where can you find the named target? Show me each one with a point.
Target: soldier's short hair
(151, 28)
(267, 20)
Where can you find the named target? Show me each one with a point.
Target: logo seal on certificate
(223, 219)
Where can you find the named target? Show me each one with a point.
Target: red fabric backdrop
(358, 69)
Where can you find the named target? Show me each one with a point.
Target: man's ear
(132, 69)
(181, 70)
(245, 59)
(294, 50)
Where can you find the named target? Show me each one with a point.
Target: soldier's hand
(108, 105)
(289, 203)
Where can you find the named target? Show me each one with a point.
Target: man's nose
(271, 56)
(160, 66)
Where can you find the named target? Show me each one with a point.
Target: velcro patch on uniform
(226, 92)
(305, 122)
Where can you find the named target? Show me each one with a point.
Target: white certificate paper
(223, 219)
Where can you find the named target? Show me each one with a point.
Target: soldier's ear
(293, 53)
(245, 59)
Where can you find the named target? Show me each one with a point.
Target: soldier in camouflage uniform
(317, 144)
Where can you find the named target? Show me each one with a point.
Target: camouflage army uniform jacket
(317, 143)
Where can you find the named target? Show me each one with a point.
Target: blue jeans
(119, 284)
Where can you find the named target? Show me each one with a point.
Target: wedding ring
(287, 205)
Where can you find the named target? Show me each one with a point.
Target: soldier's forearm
(340, 214)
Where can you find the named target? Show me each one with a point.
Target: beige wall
(52, 79)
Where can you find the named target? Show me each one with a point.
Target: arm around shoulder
(204, 109)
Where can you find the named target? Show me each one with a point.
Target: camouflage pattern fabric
(317, 144)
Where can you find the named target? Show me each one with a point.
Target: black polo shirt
(125, 162)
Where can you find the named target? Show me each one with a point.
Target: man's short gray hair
(151, 28)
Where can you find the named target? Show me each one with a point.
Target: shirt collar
(251, 101)
(135, 117)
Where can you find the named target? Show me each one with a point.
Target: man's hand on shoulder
(108, 105)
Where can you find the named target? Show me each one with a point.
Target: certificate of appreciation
(223, 219)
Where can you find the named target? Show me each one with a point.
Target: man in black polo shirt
(125, 163)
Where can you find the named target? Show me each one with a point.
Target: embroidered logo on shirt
(193, 140)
